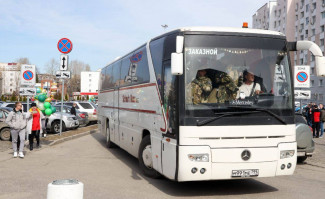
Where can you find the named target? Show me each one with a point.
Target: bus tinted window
(125, 78)
(102, 79)
(157, 51)
(116, 73)
(139, 66)
(108, 78)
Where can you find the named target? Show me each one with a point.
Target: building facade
(89, 82)
(299, 20)
(9, 78)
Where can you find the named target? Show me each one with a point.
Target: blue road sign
(64, 45)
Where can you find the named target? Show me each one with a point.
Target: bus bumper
(227, 163)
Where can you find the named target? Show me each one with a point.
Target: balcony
(312, 38)
(312, 64)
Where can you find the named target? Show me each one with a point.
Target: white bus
(153, 104)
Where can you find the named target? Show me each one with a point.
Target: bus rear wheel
(109, 143)
(145, 158)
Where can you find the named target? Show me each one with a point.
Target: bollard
(65, 189)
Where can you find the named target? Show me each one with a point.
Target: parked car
(68, 121)
(4, 127)
(81, 116)
(84, 107)
(305, 142)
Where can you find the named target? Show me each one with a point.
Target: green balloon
(53, 109)
(48, 111)
(41, 98)
(47, 105)
(43, 111)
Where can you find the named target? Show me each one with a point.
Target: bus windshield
(223, 72)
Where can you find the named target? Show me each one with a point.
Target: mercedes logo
(245, 155)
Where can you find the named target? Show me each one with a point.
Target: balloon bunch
(43, 102)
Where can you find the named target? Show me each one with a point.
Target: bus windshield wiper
(259, 110)
(223, 114)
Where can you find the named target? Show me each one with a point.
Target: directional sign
(27, 91)
(64, 63)
(65, 45)
(28, 75)
(63, 74)
(302, 76)
(302, 94)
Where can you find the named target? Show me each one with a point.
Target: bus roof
(230, 30)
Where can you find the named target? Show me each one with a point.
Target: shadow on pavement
(201, 188)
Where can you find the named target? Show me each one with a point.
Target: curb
(55, 142)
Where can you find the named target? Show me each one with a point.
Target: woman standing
(34, 126)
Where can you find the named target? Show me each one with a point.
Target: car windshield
(227, 71)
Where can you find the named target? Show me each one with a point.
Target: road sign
(64, 63)
(27, 91)
(302, 94)
(63, 74)
(27, 75)
(302, 76)
(65, 45)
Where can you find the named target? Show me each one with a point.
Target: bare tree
(52, 66)
(23, 60)
(87, 67)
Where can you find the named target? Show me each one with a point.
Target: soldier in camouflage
(226, 88)
(201, 88)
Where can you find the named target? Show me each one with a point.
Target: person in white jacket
(34, 126)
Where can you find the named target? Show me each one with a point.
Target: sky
(102, 30)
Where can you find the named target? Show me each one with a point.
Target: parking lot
(113, 173)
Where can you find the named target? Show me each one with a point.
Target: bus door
(169, 142)
(116, 74)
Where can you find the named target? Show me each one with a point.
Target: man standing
(17, 121)
(322, 119)
(73, 109)
(316, 121)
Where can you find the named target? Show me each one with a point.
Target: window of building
(275, 13)
(322, 28)
(322, 42)
(89, 80)
(302, 14)
(314, 5)
(279, 23)
(313, 20)
(312, 83)
(320, 82)
(323, 1)
(296, 17)
(11, 74)
(275, 24)
(302, 2)
(301, 37)
(312, 71)
(307, 20)
(306, 33)
(10, 90)
(320, 96)
(89, 75)
(11, 79)
(89, 90)
(323, 14)
(312, 58)
(301, 61)
(307, 8)
(280, 13)
(313, 32)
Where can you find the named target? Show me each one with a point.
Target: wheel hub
(147, 157)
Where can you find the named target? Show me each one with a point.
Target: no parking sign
(302, 76)
(28, 75)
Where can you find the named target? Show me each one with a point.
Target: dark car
(305, 142)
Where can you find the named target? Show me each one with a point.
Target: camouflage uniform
(200, 90)
(226, 89)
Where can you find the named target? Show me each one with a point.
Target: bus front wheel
(145, 158)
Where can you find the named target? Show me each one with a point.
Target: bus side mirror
(177, 58)
(320, 66)
(177, 64)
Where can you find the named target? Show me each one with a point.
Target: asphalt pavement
(113, 173)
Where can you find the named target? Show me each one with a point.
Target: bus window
(157, 51)
(116, 73)
(139, 67)
(108, 78)
(125, 79)
(169, 98)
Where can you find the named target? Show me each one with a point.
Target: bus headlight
(199, 157)
(286, 154)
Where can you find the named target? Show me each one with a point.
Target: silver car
(81, 116)
(84, 107)
(68, 122)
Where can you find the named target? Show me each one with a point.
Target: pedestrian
(322, 119)
(308, 111)
(316, 121)
(73, 109)
(17, 120)
(34, 126)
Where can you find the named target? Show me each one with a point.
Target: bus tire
(145, 158)
(109, 143)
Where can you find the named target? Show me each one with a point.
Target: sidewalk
(50, 140)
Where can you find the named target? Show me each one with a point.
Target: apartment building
(9, 78)
(299, 20)
(89, 82)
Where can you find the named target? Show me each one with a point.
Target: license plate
(301, 154)
(245, 173)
